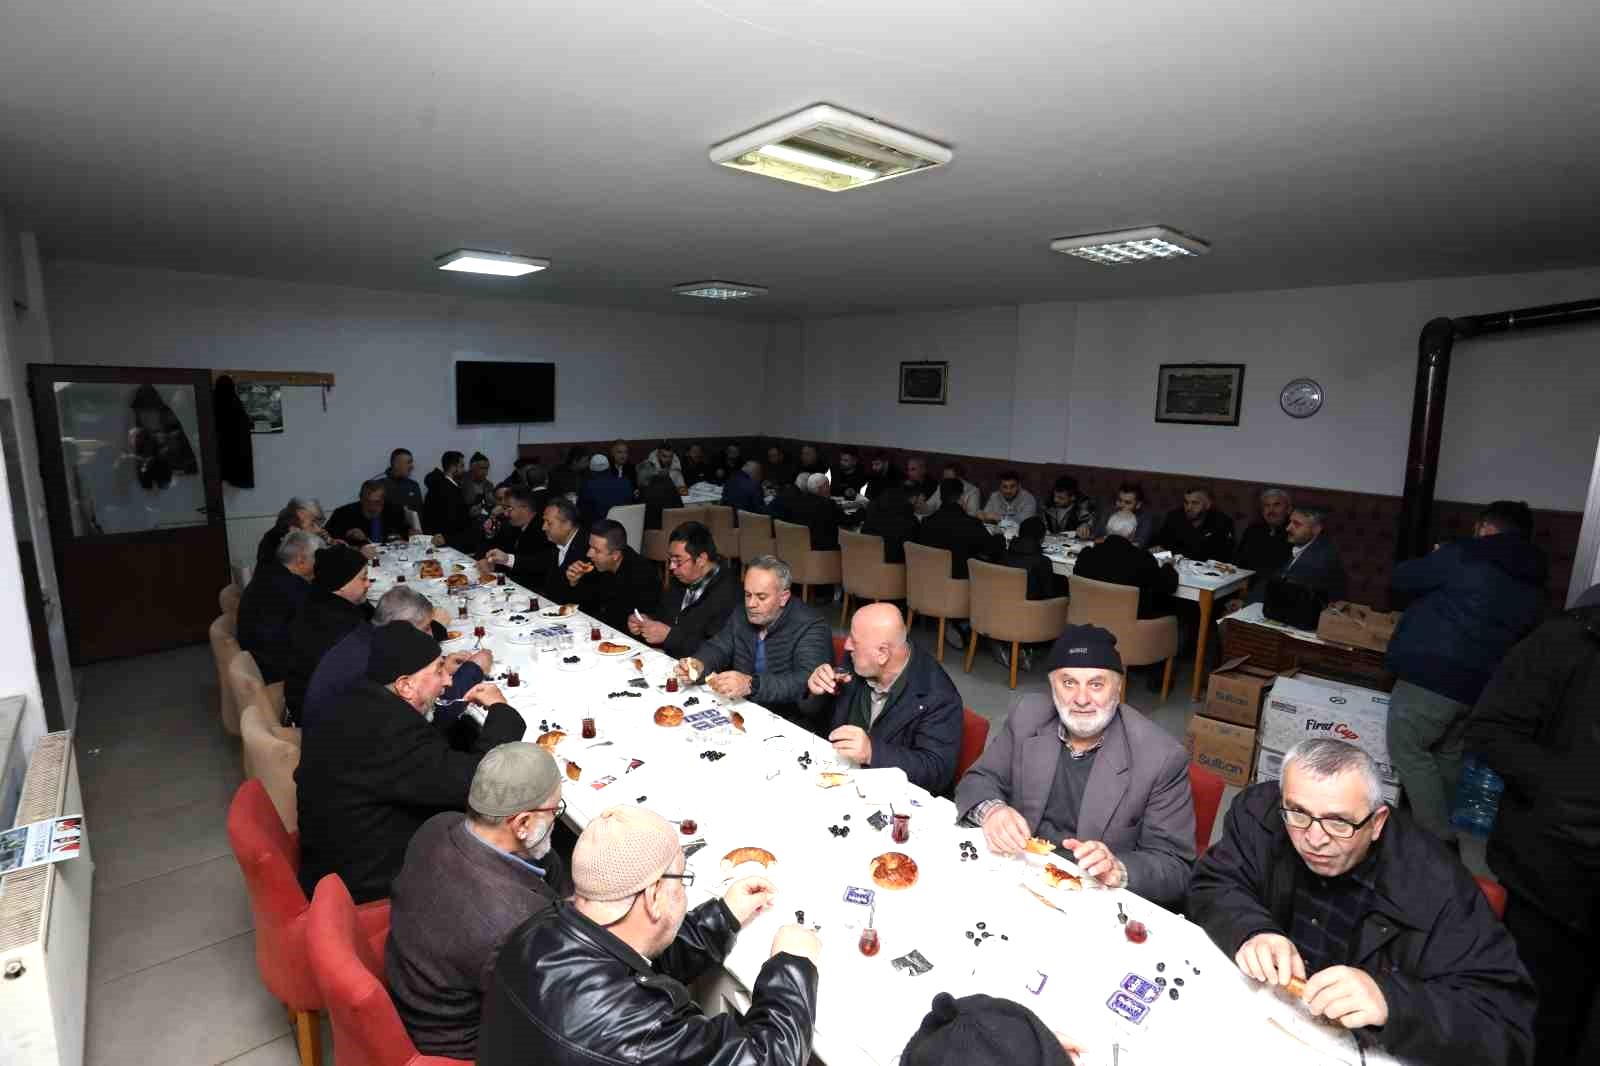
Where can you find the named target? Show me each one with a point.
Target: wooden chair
(720, 520)
(931, 590)
(1206, 789)
(1116, 607)
(244, 678)
(808, 567)
(755, 536)
(655, 540)
(864, 573)
(228, 599)
(1001, 610)
(271, 754)
(224, 649)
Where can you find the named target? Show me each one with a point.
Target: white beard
(1086, 730)
(541, 849)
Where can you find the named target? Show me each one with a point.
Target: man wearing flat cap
(468, 880)
(599, 978)
(984, 1030)
(374, 772)
(336, 604)
(1090, 774)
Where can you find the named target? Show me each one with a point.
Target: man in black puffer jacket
(1537, 725)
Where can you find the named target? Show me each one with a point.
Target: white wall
(1067, 382)
(618, 373)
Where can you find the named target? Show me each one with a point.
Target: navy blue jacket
(1319, 567)
(345, 664)
(600, 494)
(920, 731)
(743, 494)
(1477, 598)
(266, 610)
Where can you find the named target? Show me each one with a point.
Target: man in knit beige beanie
(601, 978)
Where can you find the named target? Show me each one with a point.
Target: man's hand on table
(797, 940)
(1271, 958)
(1069, 1045)
(1097, 861)
(648, 629)
(1346, 995)
(484, 658)
(730, 683)
(825, 680)
(748, 897)
(485, 694)
(690, 670)
(1005, 831)
(852, 742)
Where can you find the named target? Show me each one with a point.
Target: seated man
(695, 467)
(780, 471)
(1264, 544)
(661, 461)
(399, 486)
(889, 515)
(920, 486)
(743, 489)
(658, 495)
(596, 979)
(620, 469)
(1196, 530)
(344, 665)
(477, 492)
(895, 707)
(336, 604)
(271, 601)
(731, 461)
(704, 594)
(1313, 560)
(812, 461)
(614, 581)
(1317, 886)
(539, 562)
(951, 528)
(1118, 561)
(371, 519)
(468, 881)
(1069, 510)
(882, 474)
(298, 513)
(1025, 551)
(445, 513)
(601, 491)
(374, 771)
(767, 651)
(1011, 503)
(814, 508)
(848, 475)
(1130, 498)
(968, 496)
(1082, 769)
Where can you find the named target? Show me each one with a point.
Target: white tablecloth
(1065, 964)
(1194, 576)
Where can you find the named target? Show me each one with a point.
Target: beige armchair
(808, 567)
(271, 753)
(755, 536)
(655, 540)
(1001, 610)
(720, 520)
(224, 649)
(865, 575)
(1116, 607)
(228, 599)
(244, 678)
(930, 589)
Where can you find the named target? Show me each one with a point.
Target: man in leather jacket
(599, 979)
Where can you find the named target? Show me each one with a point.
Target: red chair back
(268, 857)
(348, 966)
(1206, 788)
(974, 734)
(1494, 892)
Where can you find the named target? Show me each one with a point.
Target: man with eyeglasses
(1319, 888)
(705, 592)
(600, 978)
(468, 881)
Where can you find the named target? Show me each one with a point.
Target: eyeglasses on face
(560, 808)
(1338, 828)
(687, 877)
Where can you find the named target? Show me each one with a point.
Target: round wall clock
(1301, 398)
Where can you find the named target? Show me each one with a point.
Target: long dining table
(973, 921)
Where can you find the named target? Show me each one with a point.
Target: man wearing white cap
(598, 979)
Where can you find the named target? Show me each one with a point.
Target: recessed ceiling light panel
(1131, 246)
(828, 148)
(718, 290)
(500, 264)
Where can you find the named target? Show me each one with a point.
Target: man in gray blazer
(1082, 769)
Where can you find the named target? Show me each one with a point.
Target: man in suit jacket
(336, 604)
(814, 508)
(273, 598)
(539, 563)
(370, 775)
(614, 581)
(704, 594)
(1084, 770)
(895, 706)
(1119, 561)
(445, 512)
(1197, 530)
(742, 491)
(766, 652)
(952, 528)
(1313, 560)
(372, 519)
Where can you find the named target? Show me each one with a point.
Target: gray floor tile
(280, 1052)
(197, 1010)
(147, 923)
(139, 788)
(149, 845)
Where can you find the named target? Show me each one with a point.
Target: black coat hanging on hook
(235, 451)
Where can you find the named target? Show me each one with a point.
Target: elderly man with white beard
(1090, 775)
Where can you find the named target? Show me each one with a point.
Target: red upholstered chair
(348, 968)
(1494, 892)
(269, 856)
(974, 734)
(1206, 788)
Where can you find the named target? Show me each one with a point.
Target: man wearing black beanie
(985, 1031)
(336, 604)
(1090, 774)
(373, 773)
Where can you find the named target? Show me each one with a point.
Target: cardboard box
(1225, 749)
(1300, 707)
(1358, 626)
(1236, 691)
(1269, 767)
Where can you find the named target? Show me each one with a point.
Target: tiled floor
(172, 976)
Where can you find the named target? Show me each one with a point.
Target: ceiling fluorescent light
(828, 148)
(718, 290)
(500, 264)
(1131, 246)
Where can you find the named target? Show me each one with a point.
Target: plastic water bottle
(1477, 798)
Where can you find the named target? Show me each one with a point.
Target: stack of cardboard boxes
(1222, 735)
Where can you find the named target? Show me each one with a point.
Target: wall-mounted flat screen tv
(490, 393)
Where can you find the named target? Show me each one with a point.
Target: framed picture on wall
(1201, 394)
(924, 382)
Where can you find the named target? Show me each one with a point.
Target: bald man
(891, 704)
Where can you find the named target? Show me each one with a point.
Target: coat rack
(289, 379)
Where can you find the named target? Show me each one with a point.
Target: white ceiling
(351, 142)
